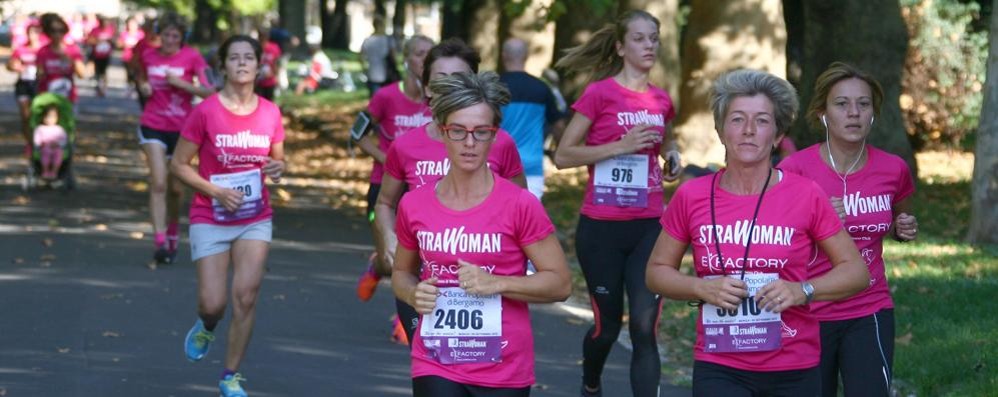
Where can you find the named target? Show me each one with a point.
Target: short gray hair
(747, 83)
(461, 90)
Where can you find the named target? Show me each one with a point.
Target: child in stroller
(54, 129)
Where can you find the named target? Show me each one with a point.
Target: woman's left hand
(476, 280)
(274, 169)
(780, 295)
(905, 227)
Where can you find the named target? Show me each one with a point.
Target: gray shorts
(207, 239)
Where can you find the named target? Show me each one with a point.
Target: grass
(944, 289)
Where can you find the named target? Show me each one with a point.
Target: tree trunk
(580, 20)
(984, 186)
(204, 23)
(875, 40)
(335, 29)
(721, 37)
(292, 14)
(398, 18)
(380, 10)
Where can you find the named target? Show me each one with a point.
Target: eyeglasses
(459, 133)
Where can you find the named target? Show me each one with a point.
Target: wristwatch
(808, 292)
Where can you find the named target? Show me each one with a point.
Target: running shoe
(587, 393)
(197, 342)
(398, 332)
(230, 387)
(162, 256)
(368, 281)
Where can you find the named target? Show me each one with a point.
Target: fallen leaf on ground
(47, 257)
(18, 260)
(63, 350)
(100, 227)
(136, 235)
(283, 194)
(47, 242)
(21, 200)
(279, 297)
(110, 334)
(46, 264)
(904, 340)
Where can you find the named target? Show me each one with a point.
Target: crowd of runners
(788, 273)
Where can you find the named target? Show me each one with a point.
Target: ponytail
(599, 54)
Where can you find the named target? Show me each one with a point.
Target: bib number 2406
(458, 319)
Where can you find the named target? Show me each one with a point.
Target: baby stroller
(67, 121)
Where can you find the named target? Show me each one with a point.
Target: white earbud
(871, 121)
(823, 122)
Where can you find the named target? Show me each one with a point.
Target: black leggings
(435, 386)
(409, 318)
(613, 256)
(861, 350)
(711, 380)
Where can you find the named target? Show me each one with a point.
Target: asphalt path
(86, 313)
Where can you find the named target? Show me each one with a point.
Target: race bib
(621, 181)
(745, 329)
(102, 48)
(61, 86)
(29, 72)
(463, 328)
(247, 182)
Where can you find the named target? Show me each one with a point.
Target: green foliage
(944, 71)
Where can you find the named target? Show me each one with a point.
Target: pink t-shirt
(46, 134)
(395, 114)
(871, 194)
(613, 110)
(417, 159)
(128, 42)
(104, 41)
(28, 57)
(167, 107)
(491, 235)
(795, 214)
(231, 144)
(58, 70)
(268, 62)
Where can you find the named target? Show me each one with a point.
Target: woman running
(619, 131)
(167, 79)
(23, 62)
(101, 42)
(420, 157)
(239, 140)
(57, 61)
(871, 191)
(474, 336)
(394, 109)
(755, 231)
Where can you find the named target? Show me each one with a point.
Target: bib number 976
(625, 175)
(458, 319)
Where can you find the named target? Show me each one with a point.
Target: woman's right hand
(231, 199)
(724, 292)
(145, 89)
(424, 297)
(638, 138)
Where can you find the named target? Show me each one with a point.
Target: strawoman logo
(856, 204)
(242, 140)
(412, 121)
(454, 240)
(640, 117)
(739, 233)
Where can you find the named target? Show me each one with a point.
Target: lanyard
(713, 221)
